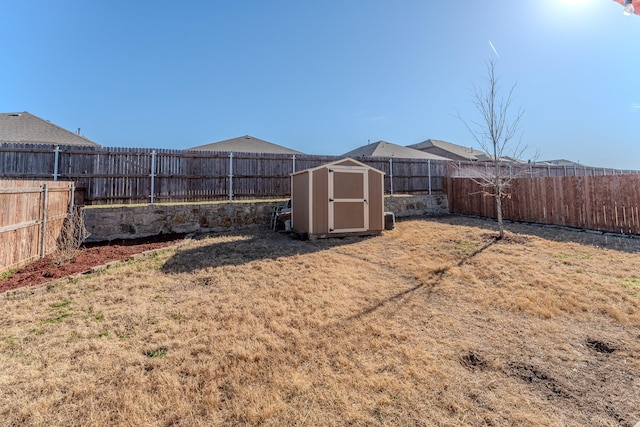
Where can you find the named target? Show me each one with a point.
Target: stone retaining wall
(429, 205)
(130, 222)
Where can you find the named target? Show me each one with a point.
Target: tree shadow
(244, 246)
(619, 242)
(431, 282)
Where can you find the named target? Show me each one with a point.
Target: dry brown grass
(428, 324)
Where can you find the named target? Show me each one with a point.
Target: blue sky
(325, 77)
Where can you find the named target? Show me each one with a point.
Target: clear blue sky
(325, 77)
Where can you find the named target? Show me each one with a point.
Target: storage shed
(341, 198)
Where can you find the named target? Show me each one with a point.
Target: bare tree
(495, 131)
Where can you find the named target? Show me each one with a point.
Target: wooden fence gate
(31, 218)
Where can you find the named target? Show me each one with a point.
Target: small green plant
(91, 314)
(156, 353)
(7, 274)
(9, 341)
(122, 335)
(61, 304)
(61, 310)
(632, 287)
(57, 319)
(103, 333)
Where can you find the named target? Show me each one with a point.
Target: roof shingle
(388, 149)
(26, 128)
(246, 144)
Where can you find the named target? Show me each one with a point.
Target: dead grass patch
(428, 324)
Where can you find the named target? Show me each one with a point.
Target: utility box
(345, 197)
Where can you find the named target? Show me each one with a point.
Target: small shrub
(72, 234)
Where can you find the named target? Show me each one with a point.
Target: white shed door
(348, 205)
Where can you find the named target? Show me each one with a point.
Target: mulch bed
(88, 257)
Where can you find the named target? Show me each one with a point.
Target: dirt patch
(88, 257)
(508, 238)
(473, 361)
(533, 375)
(600, 346)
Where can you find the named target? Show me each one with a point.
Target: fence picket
(31, 219)
(608, 203)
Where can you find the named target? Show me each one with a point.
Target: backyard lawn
(433, 323)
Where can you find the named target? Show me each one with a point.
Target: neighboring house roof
(29, 129)
(558, 162)
(246, 144)
(450, 151)
(388, 149)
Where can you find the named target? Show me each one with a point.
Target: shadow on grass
(623, 243)
(431, 282)
(241, 247)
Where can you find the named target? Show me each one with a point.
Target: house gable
(246, 144)
(26, 128)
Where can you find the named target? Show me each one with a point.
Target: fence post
(72, 197)
(391, 175)
(294, 162)
(429, 173)
(43, 228)
(230, 177)
(153, 174)
(55, 163)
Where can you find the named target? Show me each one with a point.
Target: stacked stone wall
(130, 222)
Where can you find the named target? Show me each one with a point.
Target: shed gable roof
(347, 161)
(26, 128)
(246, 144)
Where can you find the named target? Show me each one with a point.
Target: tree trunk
(498, 195)
(499, 215)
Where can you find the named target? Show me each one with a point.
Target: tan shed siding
(320, 190)
(347, 162)
(349, 215)
(376, 200)
(300, 202)
(350, 186)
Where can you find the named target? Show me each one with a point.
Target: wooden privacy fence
(606, 203)
(519, 170)
(32, 215)
(132, 175)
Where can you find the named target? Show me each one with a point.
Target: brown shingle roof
(29, 129)
(450, 150)
(388, 149)
(246, 144)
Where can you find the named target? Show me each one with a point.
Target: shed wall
(300, 202)
(320, 201)
(376, 201)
